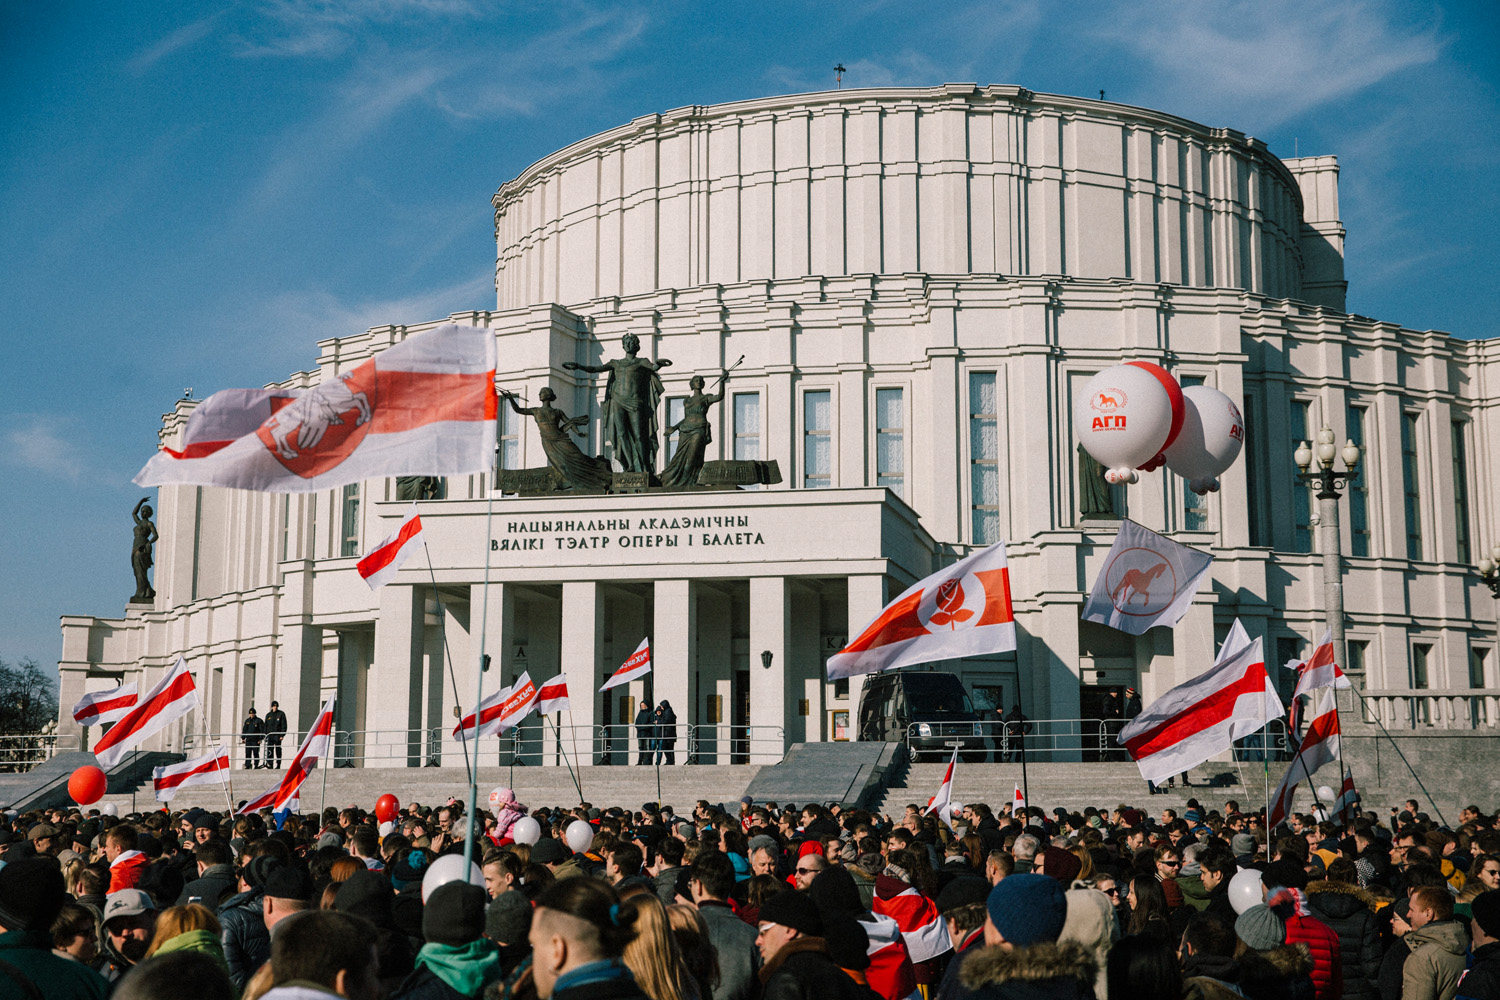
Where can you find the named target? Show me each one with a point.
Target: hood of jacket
(1194, 893)
(1338, 900)
(202, 941)
(1448, 935)
(1287, 961)
(468, 968)
(1048, 960)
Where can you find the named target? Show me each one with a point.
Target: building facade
(909, 285)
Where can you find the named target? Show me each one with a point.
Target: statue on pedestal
(140, 552)
(1095, 500)
(694, 437)
(630, 398)
(571, 468)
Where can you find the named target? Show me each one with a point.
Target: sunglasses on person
(1111, 891)
(808, 871)
(1173, 864)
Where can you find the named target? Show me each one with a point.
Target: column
(491, 629)
(866, 599)
(297, 679)
(443, 700)
(1056, 696)
(770, 705)
(675, 629)
(582, 636)
(394, 693)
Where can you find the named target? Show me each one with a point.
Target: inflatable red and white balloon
(1126, 416)
(1213, 431)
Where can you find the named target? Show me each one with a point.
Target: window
(1478, 667)
(746, 426)
(1301, 495)
(984, 457)
(890, 441)
(350, 534)
(1357, 651)
(674, 416)
(1194, 507)
(1421, 655)
(510, 437)
(1359, 487)
(817, 439)
(1409, 479)
(1461, 492)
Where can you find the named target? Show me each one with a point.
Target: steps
(848, 773)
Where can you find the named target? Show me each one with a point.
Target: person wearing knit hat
(1023, 956)
(457, 954)
(1483, 978)
(1269, 966)
(1260, 928)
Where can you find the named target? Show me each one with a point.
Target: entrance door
(739, 720)
(1102, 720)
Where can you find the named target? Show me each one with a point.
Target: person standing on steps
(666, 733)
(645, 734)
(275, 731)
(250, 734)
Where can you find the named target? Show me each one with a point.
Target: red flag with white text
(637, 665)
(963, 610)
(500, 711)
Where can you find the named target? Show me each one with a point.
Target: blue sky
(192, 194)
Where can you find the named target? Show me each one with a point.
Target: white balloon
(1213, 431)
(110, 809)
(449, 868)
(1125, 415)
(579, 836)
(1245, 890)
(1325, 795)
(386, 828)
(526, 830)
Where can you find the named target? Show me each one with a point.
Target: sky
(193, 194)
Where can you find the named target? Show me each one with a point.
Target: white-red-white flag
(638, 664)
(317, 744)
(381, 563)
(1146, 580)
(210, 769)
(922, 928)
(1320, 746)
(941, 804)
(1318, 670)
(963, 610)
(1348, 799)
(500, 711)
(1204, 716)
(425, 406)
(552, 696)
(171, 698)
(1017, 801)
(98, 707)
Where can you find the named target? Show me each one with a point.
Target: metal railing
(1048, 740)
(24, 751)
(1424, 708)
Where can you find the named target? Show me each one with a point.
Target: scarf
(468, 968)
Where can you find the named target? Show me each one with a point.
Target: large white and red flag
(1204, 716)
(1318, 670)
(552, 696)
(210, 769)
(638, 664)
(922, 927)
(963, 610)
(317, 744)
(98, 707)
(500, 711)
(425, 406)
(172, 697)
(941, 804)
(381, 563)
(1146, 580)
(1319, 746)
(1344, 805)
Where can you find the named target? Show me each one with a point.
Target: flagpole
(448, 654)
(564, 751)
(1376, 716)
(484, 620)
(229, 792)
(333, 749)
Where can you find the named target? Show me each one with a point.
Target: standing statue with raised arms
(571, 468)
(694, 437)
(140, 552)
(630, 398)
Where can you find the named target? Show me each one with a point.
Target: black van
(927, 710)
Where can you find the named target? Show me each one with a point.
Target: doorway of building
(1101, 707)
(739, 719)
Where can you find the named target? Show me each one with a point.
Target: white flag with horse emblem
(1147, 580)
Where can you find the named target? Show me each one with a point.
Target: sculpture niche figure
(571, 468)
(140, 552)
(630, 398)
(1095, 499)
(694, 437)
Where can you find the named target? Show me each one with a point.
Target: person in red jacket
(125, 862)
(1285, 882)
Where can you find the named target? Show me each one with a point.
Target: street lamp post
(1329, 481)
(1489, 570)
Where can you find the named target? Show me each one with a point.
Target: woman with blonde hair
(698, 951)
(654, 956)
(192, 927)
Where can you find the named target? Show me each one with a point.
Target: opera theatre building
(906, 288)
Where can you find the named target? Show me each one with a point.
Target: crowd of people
(748, 901)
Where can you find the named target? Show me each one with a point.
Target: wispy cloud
(183, 37)
(44, 443)
(328, 28)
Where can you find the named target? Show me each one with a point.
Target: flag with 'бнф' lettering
(424, 407)
(963, 610)
(1147, 580)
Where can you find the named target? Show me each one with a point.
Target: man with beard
(129, 921)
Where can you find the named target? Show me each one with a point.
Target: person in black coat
(247, 942)
(1350, 912)
(275, 731)
(666, 733)
(1482, 981)
(250, 735)
(795, 960)
(645, 733)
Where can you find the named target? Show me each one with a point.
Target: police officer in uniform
(275, 731)
(251, 733)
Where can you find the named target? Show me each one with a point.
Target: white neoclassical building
(917, 280)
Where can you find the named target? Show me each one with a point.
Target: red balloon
(87, 785)
(386, 808)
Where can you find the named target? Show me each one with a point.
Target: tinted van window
(936, 694)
